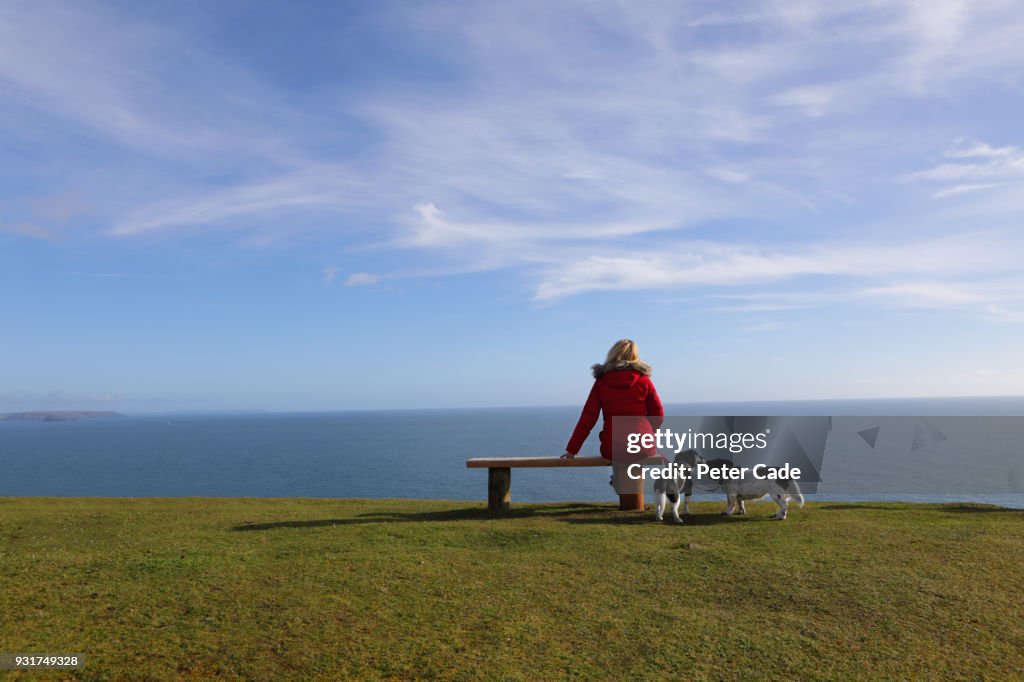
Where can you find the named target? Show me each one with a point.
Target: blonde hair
(624, 350)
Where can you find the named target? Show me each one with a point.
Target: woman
(622, 388)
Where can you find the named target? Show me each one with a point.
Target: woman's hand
(567, 455)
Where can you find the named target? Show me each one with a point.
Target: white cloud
(763, 307)
(814, 101)
(696, 264)
(358, 279)
(925, 294)
(762, 327)
(318, 187)
(434, 229)
(139, 84)
(593, 130)
(1004, 314)
(960, 189)
(592, 145)
(977, 161)
(964, 149)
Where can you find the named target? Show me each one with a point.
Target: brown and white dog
(739, 492)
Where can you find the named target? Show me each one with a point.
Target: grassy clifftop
(304, 588)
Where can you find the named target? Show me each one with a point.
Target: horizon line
(259, 410)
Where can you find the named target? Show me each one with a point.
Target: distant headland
(59, 416)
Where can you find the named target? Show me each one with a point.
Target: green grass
(332, 589)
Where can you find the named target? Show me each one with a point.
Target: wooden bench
(499, 477)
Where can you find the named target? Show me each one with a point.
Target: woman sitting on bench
(622, 388)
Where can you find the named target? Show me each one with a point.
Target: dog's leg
(676, 499)
(742, 506)
(659, 507)
(730, 504)
(688, 492)
(781, 501)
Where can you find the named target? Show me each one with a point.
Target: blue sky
(409, 204)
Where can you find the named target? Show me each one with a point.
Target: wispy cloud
(1004, 314)
(358, 279)
(141, 84)
(925, 294)
(603, 146)
(960, 189)
(433, 229)
(725, 264)
(974, 166)
(314, 188)
(762, 327)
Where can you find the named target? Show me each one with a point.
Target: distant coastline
(57, 416)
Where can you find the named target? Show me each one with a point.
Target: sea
(422, 454)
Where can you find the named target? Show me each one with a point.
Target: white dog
(675, 489)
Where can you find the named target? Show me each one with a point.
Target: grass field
(336, 589)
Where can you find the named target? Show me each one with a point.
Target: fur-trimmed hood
(641, 367)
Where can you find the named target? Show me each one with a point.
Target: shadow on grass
(574, 513)
(472, 514)
(966, 508)
(864, 505)
(695, 520)
(978, 509)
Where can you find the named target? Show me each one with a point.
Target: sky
(366, 205)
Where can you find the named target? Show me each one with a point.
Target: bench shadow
(574, 513)
(472, 514)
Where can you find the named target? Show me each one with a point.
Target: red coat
(621, 390)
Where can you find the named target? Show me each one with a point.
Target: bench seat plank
(511, 462)
(506, 462)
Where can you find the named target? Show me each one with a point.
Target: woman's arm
(655, 410)
(589, 416)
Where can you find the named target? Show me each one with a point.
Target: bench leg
(631, 502)
(631, 492)
(499, 489)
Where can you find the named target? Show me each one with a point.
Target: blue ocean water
(388, 454)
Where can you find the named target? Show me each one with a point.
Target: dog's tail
(794, 490)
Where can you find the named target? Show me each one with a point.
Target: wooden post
(631, 502)
(499, 489)
(631, 492)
